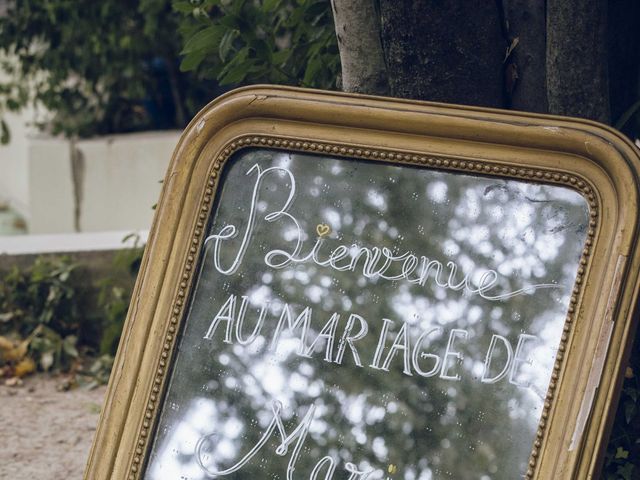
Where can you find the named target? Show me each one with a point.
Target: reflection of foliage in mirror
(528, 234)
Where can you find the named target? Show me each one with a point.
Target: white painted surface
(51, 204)
(14, 168)
(122, 179)
(116, 184)
(70, 242)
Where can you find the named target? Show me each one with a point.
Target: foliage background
(56, 317)
(96, 67)
(272, 41)
(117, 66)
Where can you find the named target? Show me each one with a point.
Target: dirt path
(45, 433)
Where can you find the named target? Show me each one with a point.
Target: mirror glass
(364, 320)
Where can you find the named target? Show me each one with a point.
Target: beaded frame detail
(483, 167)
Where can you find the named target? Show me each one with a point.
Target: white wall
(51, 206)
(14, 174)
(115, 185)
(122, 178)
(69, 243)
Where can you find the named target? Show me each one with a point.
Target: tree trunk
(525, 73)
(624, 61)
(454, 51)
(446, 51)
(358, 33)
(577, 70)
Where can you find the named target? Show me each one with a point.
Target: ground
(46, 433)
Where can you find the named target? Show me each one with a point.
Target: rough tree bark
(446, 51)
(624, 60)
(358, 32)
(454, 51)
(525, 77)
(577, 69)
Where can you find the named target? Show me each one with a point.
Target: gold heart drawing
(323, 229)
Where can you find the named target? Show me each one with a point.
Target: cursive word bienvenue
(372, 262)
(326, 464)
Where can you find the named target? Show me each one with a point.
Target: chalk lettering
(304, 319)
(298, 435)
(225, 314)
(489, 358)
(376, 262)
(401, 343)
(328, 332)
(409, 342)
(348, 339)
(456, 332)
(418, 353)
(518, 360)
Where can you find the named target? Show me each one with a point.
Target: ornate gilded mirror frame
(591, 159)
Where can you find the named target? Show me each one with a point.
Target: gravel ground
(46, 433)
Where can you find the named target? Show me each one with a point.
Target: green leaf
(206, 39)
(182, 7)
(313, 68)
(236, 74)
(622, 453)
(281, 57)
(237, 6)
(271, 5)
(226, 44)
(192, 61)
(240, 56)
(232, 22)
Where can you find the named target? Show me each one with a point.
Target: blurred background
(93, 98)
